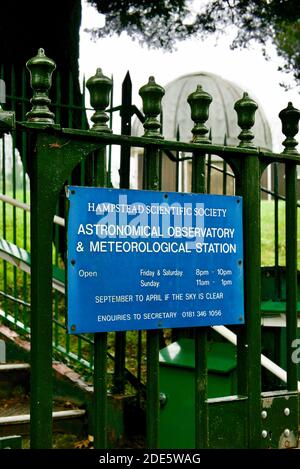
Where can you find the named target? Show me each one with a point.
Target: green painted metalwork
(276, 230)
(279, 419)
(199, 102)
(126, 115)
(152, 94)
(291, 273)
(100, 390)
(7, 121)
(290, 126)
(41, 69)
(201, 387)
(201, 379)
(249, 340)
(177, 376)
(100, 87)
(11, 442)
(245, 109)
(57, 152)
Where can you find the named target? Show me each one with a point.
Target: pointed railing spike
(41, 69)
(99, 87)
(290, 126)
(245, 109)
(199, 102)
(152, 94)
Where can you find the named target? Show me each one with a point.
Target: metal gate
(250, 419)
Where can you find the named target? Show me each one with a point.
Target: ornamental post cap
(290, 126)
(151, 87)
(245, 109)
(99, 87)
(41, 59)
(152, 95)
(41, 69)
(199, 102)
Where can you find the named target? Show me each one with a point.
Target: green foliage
(287, 41)
(156, 22)
(160, 23)
(268, 232)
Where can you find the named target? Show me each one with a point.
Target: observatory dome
(222, 121)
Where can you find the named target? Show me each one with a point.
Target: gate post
(249, 337)
(152, 94)
(42, 212)
(100, 87)
(126, 113)
(199, 102)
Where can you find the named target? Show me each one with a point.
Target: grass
(267, 233)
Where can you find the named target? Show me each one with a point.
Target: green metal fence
(52, 155)
(15, 215)
(15, 220)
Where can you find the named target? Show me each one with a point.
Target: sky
(246, 68)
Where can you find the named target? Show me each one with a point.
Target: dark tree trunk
(25, 26)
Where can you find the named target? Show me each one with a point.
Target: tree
(162, 23)
(27, 26)
(158, 23)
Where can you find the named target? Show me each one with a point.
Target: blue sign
(148, 260)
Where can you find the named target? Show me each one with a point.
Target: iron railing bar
(16, 300)
(209, 168)
(100, 390)
(201, 373)
(100, 338)
(12, 201)
(271, 366)
(291, 273)
(151, 182)
(276, 233)
(145, 142)
(249, 338)
(220, 170)
(10, 318)
(138, 113)
(4, 232)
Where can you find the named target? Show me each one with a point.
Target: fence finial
(199, 102)
(99, 87)
(245, 109)
(290, 126)
(152, 94)
(41, 69)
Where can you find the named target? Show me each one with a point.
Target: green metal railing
(15, 285)
(57, 152)
(15, 220)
